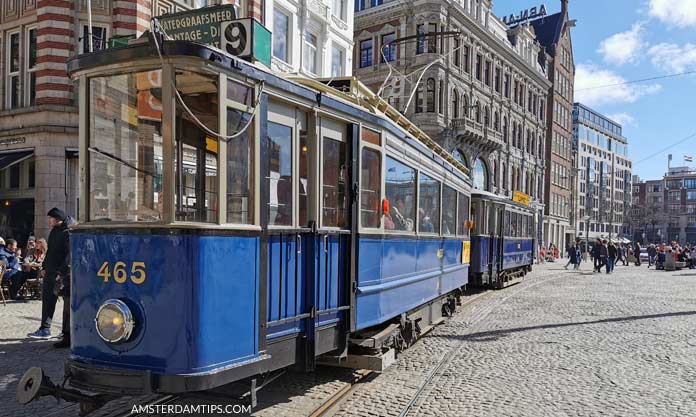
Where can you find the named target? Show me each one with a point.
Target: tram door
(304, 258)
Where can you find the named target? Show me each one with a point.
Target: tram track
(413, 404)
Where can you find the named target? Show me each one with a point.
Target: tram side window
(513, 224)
(449, 211)
(506, 224)
(524, 226)
(196, 160)
(280, 174)
(240, 157)
(400, 189)
(335, 173)
(370, 188)
(463, 215)
(428, 205)
(125, 153)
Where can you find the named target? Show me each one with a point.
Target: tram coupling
(35, 384)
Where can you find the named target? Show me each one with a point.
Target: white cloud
(623, 119)
(623, 47)
(671, 57)
(588, 76)
(679, 13)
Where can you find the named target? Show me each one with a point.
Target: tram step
(378, 362)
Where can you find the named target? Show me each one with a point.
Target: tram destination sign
(200, 25)
(525, 15)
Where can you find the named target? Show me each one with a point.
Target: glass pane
(463, 215)
(371, 136)
(125, 144)
(304, 182)
(14, 52)
(335, 174)
(429, 205)
(400, 183)
(279, 174)
(32, 48)
(196, 173)
(240, 93)
(240, 151)
(449, 210)
(370, 188)
(280, 35)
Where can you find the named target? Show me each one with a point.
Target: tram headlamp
(114, 321)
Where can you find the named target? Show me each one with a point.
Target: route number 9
(120, 273)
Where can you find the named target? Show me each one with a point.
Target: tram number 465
(120, 272)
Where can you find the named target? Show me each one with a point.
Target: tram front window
(196, 171)
(125, 148)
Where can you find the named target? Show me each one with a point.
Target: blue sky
(623, 40)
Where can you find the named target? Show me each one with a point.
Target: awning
(7, 159)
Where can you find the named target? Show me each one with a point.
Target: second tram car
(313, 220)
(502, 241)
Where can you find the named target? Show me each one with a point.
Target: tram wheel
(30, 384)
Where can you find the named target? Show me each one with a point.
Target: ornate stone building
(483, 93)
(554, 34)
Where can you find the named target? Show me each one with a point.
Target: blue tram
(502, 241)
(234, 222)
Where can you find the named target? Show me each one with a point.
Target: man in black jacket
(55, 263)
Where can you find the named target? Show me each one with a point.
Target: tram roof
(495, 197)
(373, 108)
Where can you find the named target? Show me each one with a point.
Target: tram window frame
(463, 230)
(90, 156)
(237, 96)
(435, 222)
(452, 229)
(393, 202)
(371, 141)
(506, 223)
(333, 130)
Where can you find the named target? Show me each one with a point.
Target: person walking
(595, 254)
(603, 255)
(570, 251)
(611, 258)
(55, 263)
(578, 254)
(636, 251)
(652, 254)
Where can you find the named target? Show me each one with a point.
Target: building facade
(604, 176)
(554, 34)
(665, 209)
(38, 101)
(476, 86)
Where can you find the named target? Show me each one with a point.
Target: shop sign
(520, 197)
(12, 141)
(525, 15)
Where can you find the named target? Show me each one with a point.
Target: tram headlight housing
(114, 321)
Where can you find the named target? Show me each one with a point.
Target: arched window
(496, 122)
(487, 117)
(459, 156)
(455, 104)
(477, 109)
(495, 173)
(441, 97)
(479, 175)
(503, 180)
(419, 100)
(532, 150)
(430, 96)
(465, 106)
(514, 134)
(519, 137)
(528, 142)
(541, 147)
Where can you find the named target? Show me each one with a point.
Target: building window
(457, 55)
(375, 3)
(479, 175)
(467, 59)
(487, 73)
(310, 53)
(419, 100)
(366, 53)
(99, 38)
(337, 59)
(426, 44)
(339, 9)
(281, 35)
(497, 80)
(31, 67)
(13, 92)
(455, 104)
(479, 66)
(388, 47)
(441, 97)
(430, 96)
(359, 5)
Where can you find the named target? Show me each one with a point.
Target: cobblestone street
(562, 343)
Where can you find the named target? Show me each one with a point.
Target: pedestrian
(652, 254)
(603, 255)
(611, 257)
(570, 251)
(578, 255)
(595, 254)
(636, 250)
(55, 263)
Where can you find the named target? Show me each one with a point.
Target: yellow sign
(520, 197)
(466, 252)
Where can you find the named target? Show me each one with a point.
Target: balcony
(475, 134)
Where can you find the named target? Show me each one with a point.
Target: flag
(688, 158)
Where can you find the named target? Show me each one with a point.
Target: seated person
(426, 224)
(11, 261)
(399, 221)
(31, 267)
